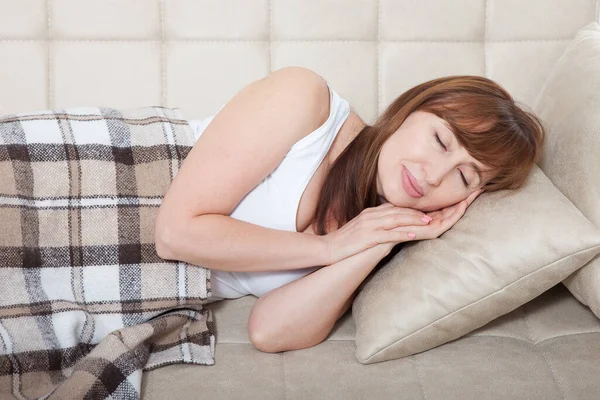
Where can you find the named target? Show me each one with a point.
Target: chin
(425, 208)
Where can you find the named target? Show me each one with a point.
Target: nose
(436, 171)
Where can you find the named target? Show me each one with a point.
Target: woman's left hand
(442, 220)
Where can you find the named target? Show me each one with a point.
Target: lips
(414, 185)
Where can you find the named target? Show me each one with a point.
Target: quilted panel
(538, 20)
(84, 73)
(427, 20)
(23, 75)
(196, 54)
(203, 75)
(129, 20)
(216, 20)
(323, 20)
(523, 66)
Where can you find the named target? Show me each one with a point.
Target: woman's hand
(373, 226)
(386, 225)
(442, 220)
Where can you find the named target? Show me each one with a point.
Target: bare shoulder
(306, 86)
(244, 143)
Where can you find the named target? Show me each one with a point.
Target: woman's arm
(220, 242)
(302, 313)
(244, 143)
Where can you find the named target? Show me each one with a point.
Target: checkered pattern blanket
(86, 304)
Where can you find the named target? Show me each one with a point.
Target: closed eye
(464, 180)
(444, 147)
(440, 142)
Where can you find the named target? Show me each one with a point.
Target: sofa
(195, 55)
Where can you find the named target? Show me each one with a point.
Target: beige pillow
(569, 103)
(508, 248)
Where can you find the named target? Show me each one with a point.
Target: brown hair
(492, 127)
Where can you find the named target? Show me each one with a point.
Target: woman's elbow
(162, 247)
(271, 346)
(261, 343)
(275, 343)
(257, 332)
(163, 241)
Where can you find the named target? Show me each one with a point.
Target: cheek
(385, 164)
(389, 179)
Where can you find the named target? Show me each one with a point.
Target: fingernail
(425, 218)
(412, 235)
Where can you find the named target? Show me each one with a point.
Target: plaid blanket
(86, 304)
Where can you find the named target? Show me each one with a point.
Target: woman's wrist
(324, 249)
(378, 252)
(385, 248)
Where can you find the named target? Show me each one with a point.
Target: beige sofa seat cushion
(569, 103)
(546, 349)
(508, 248)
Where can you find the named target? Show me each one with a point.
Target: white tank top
(274, 202)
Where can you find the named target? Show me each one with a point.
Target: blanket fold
(86, 304)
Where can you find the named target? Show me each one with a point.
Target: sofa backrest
(196, 55)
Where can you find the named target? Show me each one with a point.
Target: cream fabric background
(196, 54)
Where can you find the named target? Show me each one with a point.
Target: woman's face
(414, 149)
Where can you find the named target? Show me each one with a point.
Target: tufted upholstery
(196, 54)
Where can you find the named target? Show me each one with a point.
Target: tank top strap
(339, 108)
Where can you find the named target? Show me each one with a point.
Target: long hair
(486, 120)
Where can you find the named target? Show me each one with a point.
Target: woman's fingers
(449, 211)
(454, 215)
(461, 207)
(446, 211)
(459, 211)
(391, 221)
(402, 221)
(385, 205)
(438, 225)
(473, 196)
(400, 236)
(402, 211)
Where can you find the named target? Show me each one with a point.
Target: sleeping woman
(288, 195)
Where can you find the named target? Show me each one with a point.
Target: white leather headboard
(196, 54)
